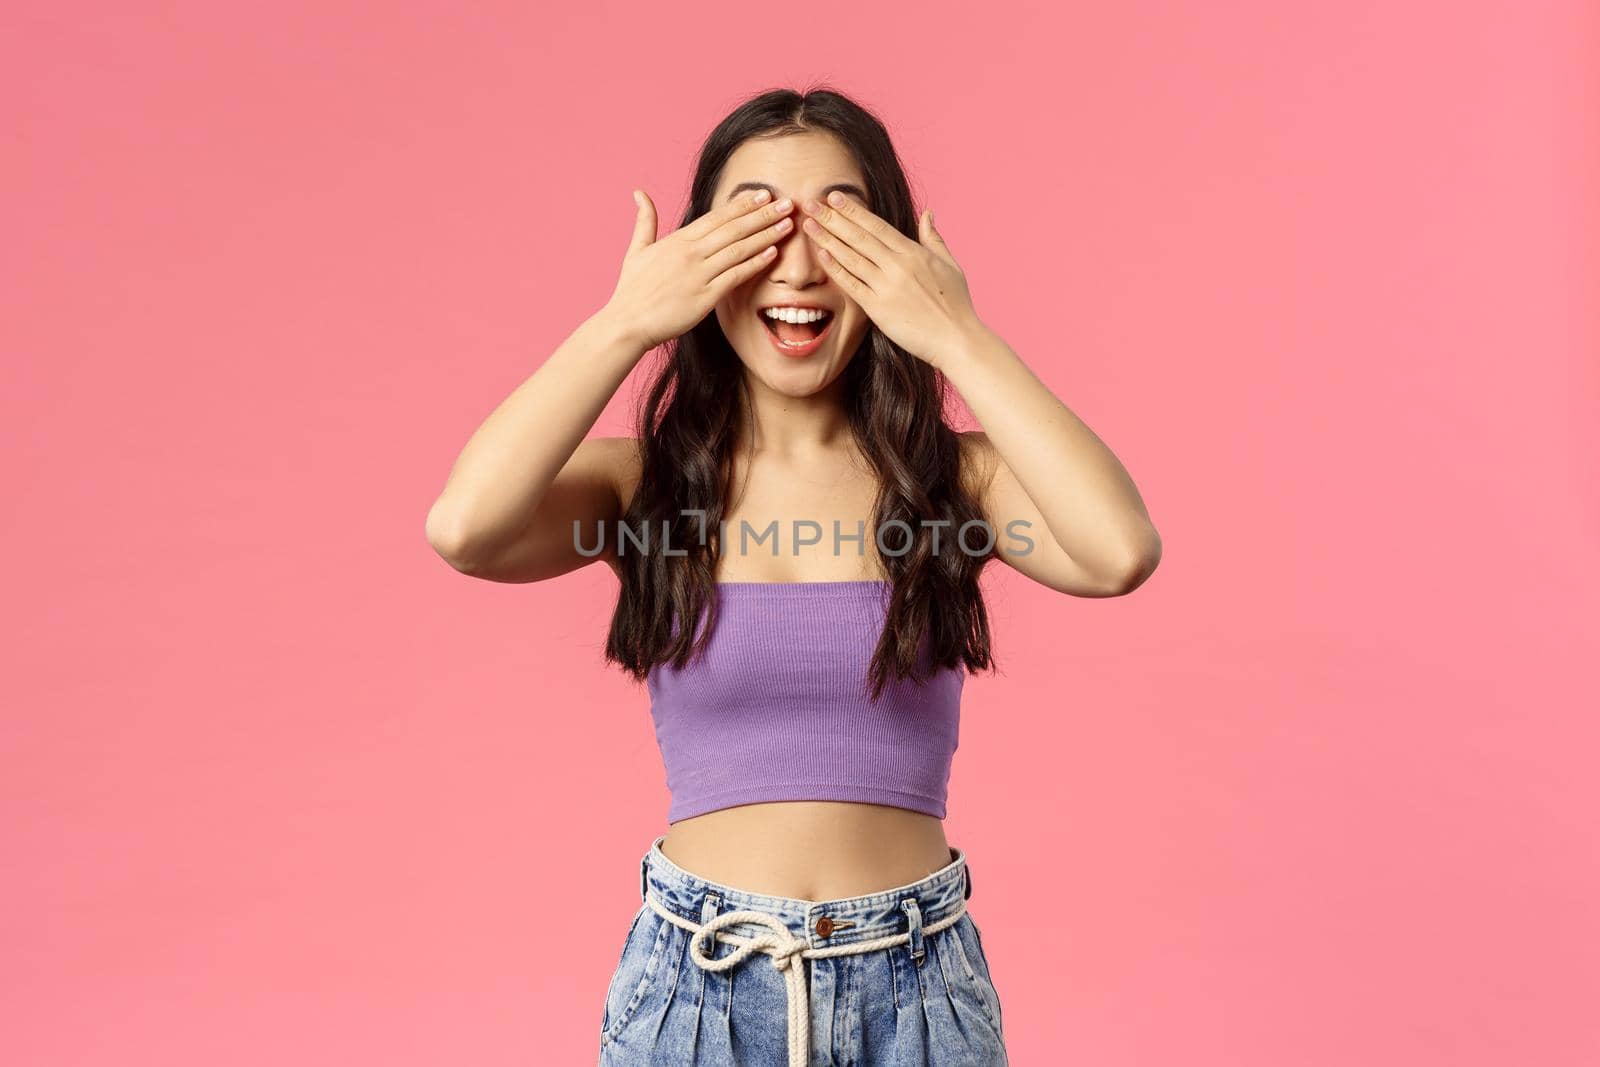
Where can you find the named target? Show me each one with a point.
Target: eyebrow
(822, 194)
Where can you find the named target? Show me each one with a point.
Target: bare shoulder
(979, 461)
(620, 461)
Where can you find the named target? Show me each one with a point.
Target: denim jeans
(926, 1000)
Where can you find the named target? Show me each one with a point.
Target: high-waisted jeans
(711, 974)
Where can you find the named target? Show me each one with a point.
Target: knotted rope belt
(788, 953)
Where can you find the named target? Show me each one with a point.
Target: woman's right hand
(668, 286)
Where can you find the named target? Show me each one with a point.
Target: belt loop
(914, 922)
(967, 867)
(708, 911)
(644, 877)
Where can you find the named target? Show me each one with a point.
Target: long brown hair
(895, 403)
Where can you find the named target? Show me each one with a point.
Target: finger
(735, 229)
(859, 290)
(740, 251)
(933, 239)
(644, 223)
(731, 209)
(853, 261)
(864, 231)
(847, 235)
(739, 273)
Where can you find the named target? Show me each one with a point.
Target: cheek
(856, 331)
(729, 318)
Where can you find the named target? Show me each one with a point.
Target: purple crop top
(778, 707)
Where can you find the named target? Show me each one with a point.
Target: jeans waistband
(849, 919)
(753, 922)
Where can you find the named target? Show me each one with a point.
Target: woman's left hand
(913, 291)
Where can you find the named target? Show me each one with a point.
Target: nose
(796, 264)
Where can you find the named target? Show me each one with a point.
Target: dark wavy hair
(688, 424)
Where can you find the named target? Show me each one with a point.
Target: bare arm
(1091, 535)
(527, 474)
(1040, 463)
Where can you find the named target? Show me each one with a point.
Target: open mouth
(796, 331)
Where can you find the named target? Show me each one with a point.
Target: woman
(794, 488)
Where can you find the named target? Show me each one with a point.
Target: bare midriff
(809, 849)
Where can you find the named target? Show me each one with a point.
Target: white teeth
(795, 314)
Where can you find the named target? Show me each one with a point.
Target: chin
(796, 383)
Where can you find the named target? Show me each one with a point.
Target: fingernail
(761, 196)
(836, 198)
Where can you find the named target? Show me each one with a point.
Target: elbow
(1142, 561)
(450, 539)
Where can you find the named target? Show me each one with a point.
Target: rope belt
(788, 955)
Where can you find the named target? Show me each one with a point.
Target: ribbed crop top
(778, 707)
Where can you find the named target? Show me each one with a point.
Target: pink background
(280, 787)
